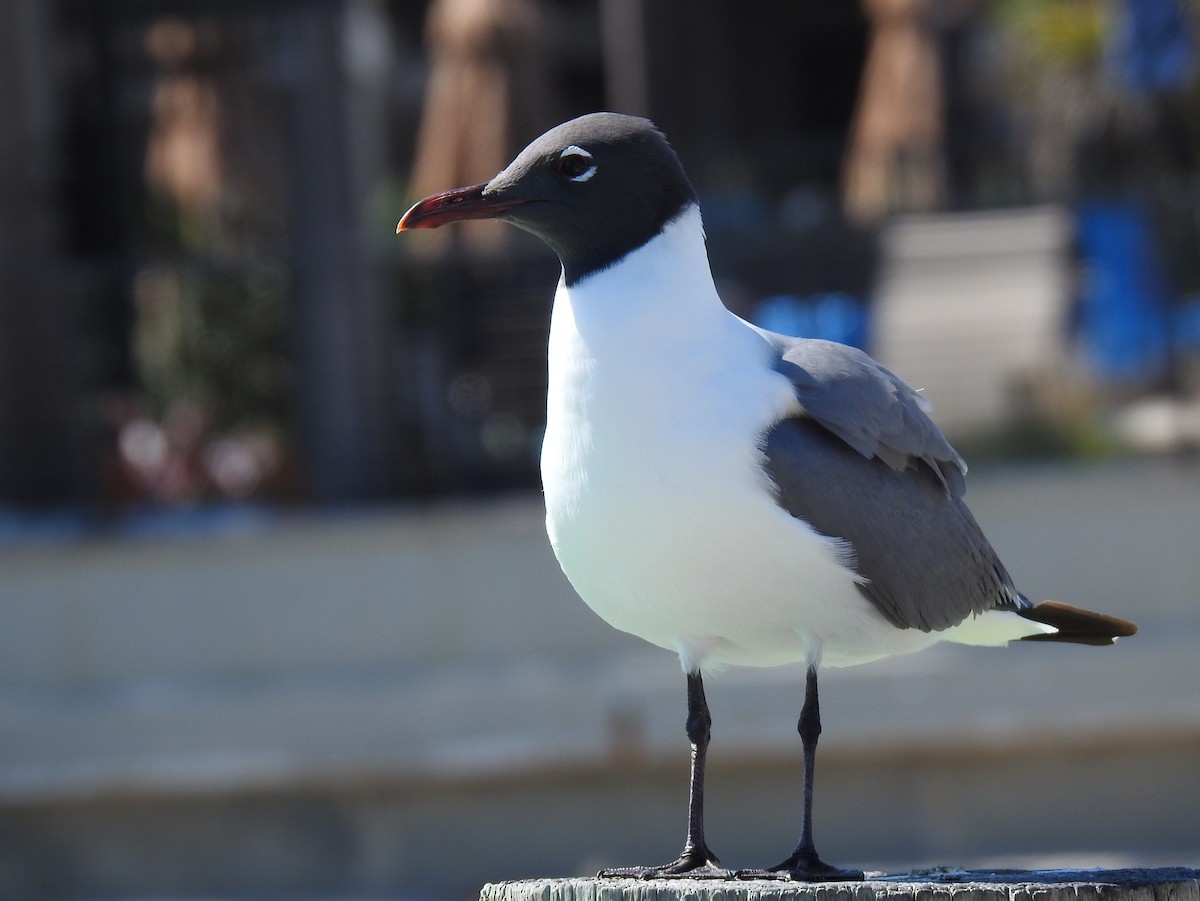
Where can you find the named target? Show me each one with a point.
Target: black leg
(696, 860)
(804, 865)
(699, 731)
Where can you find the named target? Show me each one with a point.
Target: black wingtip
(1076, 625)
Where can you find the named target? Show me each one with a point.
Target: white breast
(657, 504)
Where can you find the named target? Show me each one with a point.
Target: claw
(802, 867)
(702, 864)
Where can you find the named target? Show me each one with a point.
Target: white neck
(648, 339)
(663, 291)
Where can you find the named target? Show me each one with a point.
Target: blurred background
(277, 614)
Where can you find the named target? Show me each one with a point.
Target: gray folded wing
(864, 463)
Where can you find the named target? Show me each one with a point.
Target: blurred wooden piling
(1163, 884)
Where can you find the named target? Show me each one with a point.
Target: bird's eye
(576, 164)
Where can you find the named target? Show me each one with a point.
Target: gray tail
(1076, 625)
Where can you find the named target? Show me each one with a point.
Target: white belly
(660, 515)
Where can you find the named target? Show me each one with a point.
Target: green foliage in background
(1068, 34)
(212, 335)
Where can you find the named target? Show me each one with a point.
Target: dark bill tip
(454, 206)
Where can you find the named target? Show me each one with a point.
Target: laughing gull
(724, 492)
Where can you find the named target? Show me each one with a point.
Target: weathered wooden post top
(1162, 884)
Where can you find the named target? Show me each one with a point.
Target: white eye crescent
(576, 164)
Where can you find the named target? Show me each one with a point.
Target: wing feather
(864, 463)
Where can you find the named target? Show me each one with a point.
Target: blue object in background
(1185, 325)
(1154, 48)
(1123, 308)
(834, 317)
